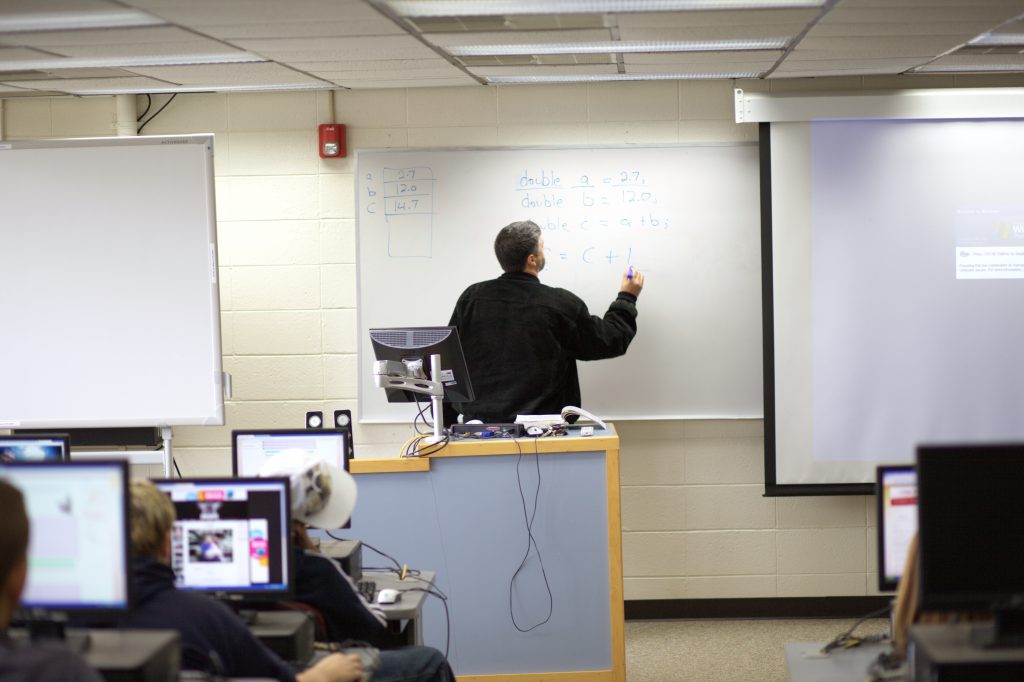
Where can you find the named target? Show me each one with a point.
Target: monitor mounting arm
(407, 376)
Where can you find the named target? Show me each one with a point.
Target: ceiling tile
(147, 35)
(766, 17)
(229, 12)
(323, 49)
(519, 37)
(404, 65)
(752, 66)
(301, 29)
(262, 73)
(574, 70)
(96, 85)
(21, 54)
(384, 74)
(409, 83)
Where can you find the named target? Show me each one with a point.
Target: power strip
(488, 430)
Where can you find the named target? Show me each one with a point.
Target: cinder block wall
(694, 519)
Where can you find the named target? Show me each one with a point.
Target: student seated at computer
(27, 661)
(323, 496)
(213, 638)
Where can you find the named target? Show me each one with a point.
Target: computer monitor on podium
(408, 351)
(51, 447)
(896, 502)
(971, 531)
(79, 542)
(232, 536)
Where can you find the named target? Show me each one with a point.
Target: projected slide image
(989, 243)
(210, 546)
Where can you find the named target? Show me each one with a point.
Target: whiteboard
(110, 306)
(687, 216)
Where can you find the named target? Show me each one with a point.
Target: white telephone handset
(580, 412)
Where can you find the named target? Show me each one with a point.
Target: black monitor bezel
(455, 362)
(884, 584)
(63, 437)
(972, 599)
(91, 614)
(261, 595)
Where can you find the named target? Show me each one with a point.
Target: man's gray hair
(514, 244)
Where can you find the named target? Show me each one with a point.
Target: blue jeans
(413, 664)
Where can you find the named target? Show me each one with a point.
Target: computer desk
(409, 608)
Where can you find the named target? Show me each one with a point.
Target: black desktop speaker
(343, 420)
(314, 420)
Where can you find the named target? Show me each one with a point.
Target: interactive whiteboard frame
(112, 306)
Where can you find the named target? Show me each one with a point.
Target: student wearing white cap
(323, 496)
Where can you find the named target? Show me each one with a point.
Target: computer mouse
(388, 596)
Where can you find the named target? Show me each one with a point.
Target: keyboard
(368, 589)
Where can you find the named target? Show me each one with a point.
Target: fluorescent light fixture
(967, 68)
(998, 40)
(125, 62)
(618, 46)
(194, 88)
(65, 21)
(597, 77)
(482, 8)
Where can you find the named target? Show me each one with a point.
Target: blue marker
(629, 275)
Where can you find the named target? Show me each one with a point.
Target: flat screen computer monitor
(412, 347)
(49, 447)
(896, 500)
(250, 450)
(971, 529)
(79, 540)
(231, 536)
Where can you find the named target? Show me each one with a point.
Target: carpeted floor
(724, 650)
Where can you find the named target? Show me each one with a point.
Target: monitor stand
(41, 629)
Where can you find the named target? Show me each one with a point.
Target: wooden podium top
(602, 440)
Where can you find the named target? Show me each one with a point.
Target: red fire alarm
(332, 140)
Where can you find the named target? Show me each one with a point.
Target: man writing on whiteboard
(522, 338)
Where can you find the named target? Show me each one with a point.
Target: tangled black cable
(531, 542)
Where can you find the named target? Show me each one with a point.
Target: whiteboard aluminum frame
(362, 345)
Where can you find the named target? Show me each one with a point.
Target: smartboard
(110, 310)
(687, 216)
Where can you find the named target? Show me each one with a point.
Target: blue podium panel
(467, 520)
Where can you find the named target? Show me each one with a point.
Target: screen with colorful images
(231, 536)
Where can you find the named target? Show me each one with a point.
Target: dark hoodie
(213, 638)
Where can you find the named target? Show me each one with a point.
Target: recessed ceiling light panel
(618, 46)
(477, 8)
